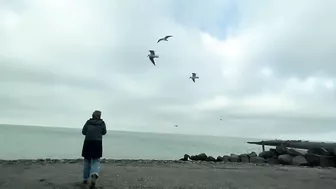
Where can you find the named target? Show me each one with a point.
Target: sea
(30, 142)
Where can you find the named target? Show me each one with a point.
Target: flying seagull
(193, 77)
(175, 125)
(165, 38)
(152, 56)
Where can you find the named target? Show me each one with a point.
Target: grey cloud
(56, 65)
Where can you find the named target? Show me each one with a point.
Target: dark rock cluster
(279, 155)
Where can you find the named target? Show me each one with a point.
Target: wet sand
(165, 174)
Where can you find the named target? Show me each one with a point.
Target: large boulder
(299, 161)
(219, 158)
(319, 160)
(210, 158)
(285, 159)
(226, 158)
(318, 151)
(296, 152)
(234, 158)
(244, 158)
(200, 157)
(280, 150)
(313, 159)
(257, 160)
(252, 154)
(185, 157)
(327, 161)
(267, 154)
(333, 151)
(272, 161)
(194, 157)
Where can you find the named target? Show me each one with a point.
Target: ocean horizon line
(128, 131)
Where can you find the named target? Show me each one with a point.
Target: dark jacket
(94, 129)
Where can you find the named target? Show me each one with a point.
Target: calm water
(20, 142)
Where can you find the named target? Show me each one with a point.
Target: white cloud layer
(267, 68)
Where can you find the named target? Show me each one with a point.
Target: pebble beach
(66, 174)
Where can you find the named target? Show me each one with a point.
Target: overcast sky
(267, 68)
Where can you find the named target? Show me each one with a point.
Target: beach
(43, 174)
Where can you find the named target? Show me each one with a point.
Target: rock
(327, 161)
(299, 161)
(267, 154)
(244, 158)
(285, 159)
(252, 154)
(318, 151)
(226, 158)
(313, 159)
(210, 158)
(185, 157)
(72, 161)
(333, 151)
(296, 152)
(219, 158)
(234, 158)
(319, 160)
(272, 161)
(257, 160)
(200, 157)
(280, 150)
(194, 158)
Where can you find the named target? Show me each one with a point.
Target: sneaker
(94, 178)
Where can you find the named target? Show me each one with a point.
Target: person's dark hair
(96, 114)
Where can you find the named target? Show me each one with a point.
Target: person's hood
(95, 121)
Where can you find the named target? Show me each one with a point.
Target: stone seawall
(279, 155)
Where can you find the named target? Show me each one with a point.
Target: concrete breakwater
(279, 155)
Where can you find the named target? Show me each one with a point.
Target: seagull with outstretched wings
(165, 38)
(193, 77)
(152, 55)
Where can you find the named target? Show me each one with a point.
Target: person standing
(92, 151)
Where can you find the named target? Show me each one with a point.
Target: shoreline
(142, 162)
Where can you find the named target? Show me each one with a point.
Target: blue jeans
(91, 166)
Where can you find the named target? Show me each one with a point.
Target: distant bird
(165, 38)
(175, 125)
(193, 77)
(152, 56)
(221, 119)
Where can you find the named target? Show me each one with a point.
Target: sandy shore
(121, 174)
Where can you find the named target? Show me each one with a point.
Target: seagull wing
(168, 36)
(193, 79)
(160, 40)
(152, 52)
(193, 74)
(152, 59)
